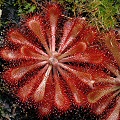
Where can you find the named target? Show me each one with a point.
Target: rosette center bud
(53, 59)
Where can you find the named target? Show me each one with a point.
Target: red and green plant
(59, 62)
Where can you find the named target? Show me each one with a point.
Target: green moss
(101, 13)
(25, 7)
(104, 12)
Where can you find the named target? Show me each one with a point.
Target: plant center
(53, 59)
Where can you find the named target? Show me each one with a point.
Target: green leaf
(32, 9)
(27, 6)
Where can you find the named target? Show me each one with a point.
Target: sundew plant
(60, 60)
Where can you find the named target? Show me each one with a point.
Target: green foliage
(71, 5)
(104, 12)
(101, 13)
(25, 7)
(1, 2)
